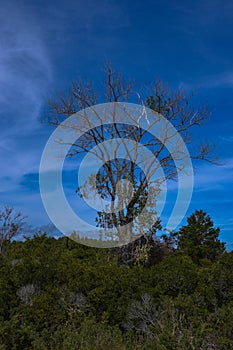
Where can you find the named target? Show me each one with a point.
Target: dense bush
(58, 294)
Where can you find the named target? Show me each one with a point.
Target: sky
(45, 45)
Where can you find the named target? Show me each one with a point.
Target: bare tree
(26, 293)
(11, 224)
(112, 180)
(144, 316)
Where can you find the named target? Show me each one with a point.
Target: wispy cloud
(25, 74)
(24, 69)
(31, 36)
(218, 80)
(227, 139)
(211, 176)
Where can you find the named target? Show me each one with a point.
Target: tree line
(59, 294)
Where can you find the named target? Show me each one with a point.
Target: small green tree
(199, 238)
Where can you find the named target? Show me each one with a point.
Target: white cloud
(25, 73)
(24, 70)
(217, 80)
(209, 175)
(227, 139)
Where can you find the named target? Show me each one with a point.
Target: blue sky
(44, 45)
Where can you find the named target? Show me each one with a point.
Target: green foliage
(199, 239)
(58, 294)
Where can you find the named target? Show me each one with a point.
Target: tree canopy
(121, 182)
(199, 238)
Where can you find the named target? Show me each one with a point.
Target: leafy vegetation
(58, 294)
